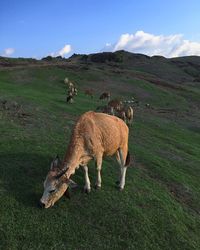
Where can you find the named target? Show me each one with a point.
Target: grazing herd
(120, 109)
(116, 107)
(95, 135)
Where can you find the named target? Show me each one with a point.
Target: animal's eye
(52, 191)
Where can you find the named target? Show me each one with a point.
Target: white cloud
(8, 52)
(150, 44)
(65, 50)
(62, 52)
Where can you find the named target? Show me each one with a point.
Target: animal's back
(102, 132)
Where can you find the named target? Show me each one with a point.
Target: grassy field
(160, 206)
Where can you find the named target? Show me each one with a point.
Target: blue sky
(61, 27)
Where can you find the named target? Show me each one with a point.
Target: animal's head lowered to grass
(55, 186)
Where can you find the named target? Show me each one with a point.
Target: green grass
(160, 206)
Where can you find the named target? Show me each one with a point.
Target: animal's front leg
(87, 187)
(98, 165)
(123, 168)
(123, 176)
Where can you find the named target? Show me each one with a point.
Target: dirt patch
(157, 81)
(69, 116)
(165, 84)
(170, 155)
(181, 193)
(14, 110)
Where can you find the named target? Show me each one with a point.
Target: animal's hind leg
(87, 187)
(119, 162)
(123, 155)
(98, 165)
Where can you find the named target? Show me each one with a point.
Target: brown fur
(105, 95)
(126, 114)
(95, 135)
(129, 115)
(116, 104)
(89, 92)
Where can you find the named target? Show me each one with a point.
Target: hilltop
(178, 70)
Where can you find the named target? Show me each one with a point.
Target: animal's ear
(55, 163)
(72, 184)
(67, 194)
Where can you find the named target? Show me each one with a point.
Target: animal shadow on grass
(22, 176)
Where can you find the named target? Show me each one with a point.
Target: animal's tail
(128, 159)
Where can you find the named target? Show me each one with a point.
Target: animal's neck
(72, 158)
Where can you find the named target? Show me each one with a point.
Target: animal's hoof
(87, 190)
(117, 182)
(120, 188)
(97, 187)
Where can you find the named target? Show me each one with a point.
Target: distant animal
(105, 109)
(129, 115)
(71, 86)
(68, 83)
(73, 90)
(105, 95)
(147, 105)
(94, 136)
(66, 80)
(116, 104)
(69, 99)
(126, 114)
(121, 114)
(89, 92)
(71, 93)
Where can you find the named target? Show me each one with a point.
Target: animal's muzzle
(41, 204)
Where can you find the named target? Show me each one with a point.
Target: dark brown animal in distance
(105, 95)
(89, 92)
(94, 136)
(117, 104)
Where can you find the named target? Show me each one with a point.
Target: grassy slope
(159, 208)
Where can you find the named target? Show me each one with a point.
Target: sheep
(94, 136)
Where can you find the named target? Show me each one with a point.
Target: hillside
(160, 206)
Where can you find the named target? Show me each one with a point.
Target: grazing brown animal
(95, 135)
(105, 109)
(126, 114)
(89, 92)
(121, 114)
(129, 115)
(116, 104)
(105, 95)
